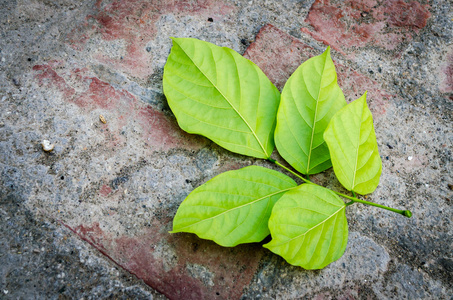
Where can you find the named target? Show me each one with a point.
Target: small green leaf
(233, 207)
(353, 147)
(219, 94)
(310, 98)
(309, 227)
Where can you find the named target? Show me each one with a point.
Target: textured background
(81, 221)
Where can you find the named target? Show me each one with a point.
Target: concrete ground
(90, 219)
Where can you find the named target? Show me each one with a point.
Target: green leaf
(233, 207)
(310, 98)
(219, 94)
(353, 147)
(309, 227)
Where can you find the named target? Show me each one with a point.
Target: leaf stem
(289, 170)
(406, 213)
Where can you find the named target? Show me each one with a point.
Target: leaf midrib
(226, 99)
(308, 231)
(237, 207)
(357, 150)
(314, 118)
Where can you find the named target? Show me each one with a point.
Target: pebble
(47, 146)
(409, 158)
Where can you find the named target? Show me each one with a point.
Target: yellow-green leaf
(310, 98)
(233, 207)
(215, 92)
(353, 147)
(308, 227)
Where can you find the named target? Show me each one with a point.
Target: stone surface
(359, 23)
(279, 54)
(90, 219)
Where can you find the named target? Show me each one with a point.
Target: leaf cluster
(215, 92)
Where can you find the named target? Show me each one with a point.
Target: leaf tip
(327, 53)
(175, 230)
(175, 39)
(363, 98)
(267, 246)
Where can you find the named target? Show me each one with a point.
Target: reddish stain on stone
(354, 85)
(92, 234)
(402, 14)
(446, 71)
(169, 135)
(122, 108)
(180, 266)
(345, 293)
(48, 77)
(358, 23)
(105, 190)
(102, 95)
(279, 54)
(133, 22)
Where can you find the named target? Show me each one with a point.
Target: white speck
(5, 291)
(3, 59)
(409, 158)
(47, 146)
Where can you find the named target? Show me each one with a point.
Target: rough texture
(90, 219)
(359, 23)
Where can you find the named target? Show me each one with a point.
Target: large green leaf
(233, 207)
(310, 98)
(353, 147)
(217, 93)
(309, 227)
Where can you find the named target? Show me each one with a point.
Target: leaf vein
(235, 208)
(229, 102)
